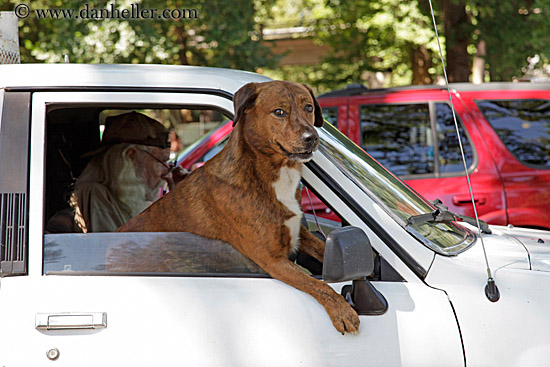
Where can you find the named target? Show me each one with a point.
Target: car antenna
(315, 214)
(491, 289)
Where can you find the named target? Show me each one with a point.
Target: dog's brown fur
(248, 196)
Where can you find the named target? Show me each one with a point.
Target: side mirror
(349, 256)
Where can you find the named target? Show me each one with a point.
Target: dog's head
(280, 117)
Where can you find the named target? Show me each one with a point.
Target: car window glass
(450, 158)
(215, 150)
(331, 115)
(392, 194)
(523, 126)
(71, 132)
(399, 136)
(174, 253)
(188, 124)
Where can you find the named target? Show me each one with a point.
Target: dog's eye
(309, 108)
(279, 112)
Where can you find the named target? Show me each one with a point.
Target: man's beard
(131, 189)
(154, 193)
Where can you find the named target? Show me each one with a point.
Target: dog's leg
(311, 245)
(343, 316)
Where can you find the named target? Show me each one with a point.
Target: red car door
(515, 125)
(412, 133)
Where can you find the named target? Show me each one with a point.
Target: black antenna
(491, 289)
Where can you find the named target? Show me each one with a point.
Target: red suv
(505, 132)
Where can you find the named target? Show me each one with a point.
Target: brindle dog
(248, 195)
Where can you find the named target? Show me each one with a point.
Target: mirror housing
(349, 256)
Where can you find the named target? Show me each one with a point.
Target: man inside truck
(124, 176)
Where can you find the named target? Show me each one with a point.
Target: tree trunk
(478, 68)
(181, 35)
(421, 62)
(457, 34)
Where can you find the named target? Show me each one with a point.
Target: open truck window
(73, 131)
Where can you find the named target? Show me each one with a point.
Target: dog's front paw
(343, 316)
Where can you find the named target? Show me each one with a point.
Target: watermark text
(88, 12)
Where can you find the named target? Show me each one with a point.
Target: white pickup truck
(65, 301)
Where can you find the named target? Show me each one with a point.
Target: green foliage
(513, 31)
(367, 37)
(223, 33)
(389, 38)
(233, 36)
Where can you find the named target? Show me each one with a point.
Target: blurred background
(325, 43)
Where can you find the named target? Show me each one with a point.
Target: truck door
(113, 299)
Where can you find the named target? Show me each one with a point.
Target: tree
(378, 42)
(495, 35)
(458, 35)
(397, 36)
(384, 36)
(513, 31)
(218, 33)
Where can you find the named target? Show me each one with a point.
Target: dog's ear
(318, 112)
(243, 99)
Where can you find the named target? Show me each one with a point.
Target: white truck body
(54, 313)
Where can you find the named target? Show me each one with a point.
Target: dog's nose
(310, 137)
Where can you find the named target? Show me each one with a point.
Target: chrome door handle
(71, 320)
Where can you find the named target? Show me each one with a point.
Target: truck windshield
(447, 238)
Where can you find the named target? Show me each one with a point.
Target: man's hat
(133, 128)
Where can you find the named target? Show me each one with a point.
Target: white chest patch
(285, 190)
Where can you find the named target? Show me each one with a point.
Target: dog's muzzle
(310, 141)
